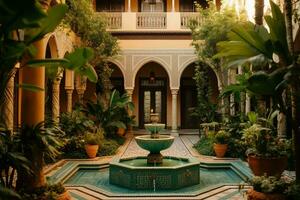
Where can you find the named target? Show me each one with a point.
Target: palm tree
(259, 12)
(257, 46)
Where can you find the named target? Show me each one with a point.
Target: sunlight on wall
(245, 5)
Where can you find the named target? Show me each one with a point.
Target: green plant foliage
(110, 146)
(49, 192)
(109, 118)
(8, 194)
(205, 146)
(39, 138)
(205, 110)
(269, 184)
(90, 26)
(75, 123)
(11, 159)
(93, 138)
(214, 27)
(222, 137)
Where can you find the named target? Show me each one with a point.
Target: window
(189, 5)
(110, 5)
(152, 6)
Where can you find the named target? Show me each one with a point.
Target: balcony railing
(130, 21)
(114, 20)
(187, 17)
(151, 20)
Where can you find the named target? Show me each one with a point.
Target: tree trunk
(259, 12)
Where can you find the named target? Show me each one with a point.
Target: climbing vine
(90, 27)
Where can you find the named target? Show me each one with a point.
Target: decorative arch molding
(119, 65)
(149, 59)
(54, 49)
(193, 60)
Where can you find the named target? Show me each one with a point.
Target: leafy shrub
(93, 138)
(49, 192)
(222, 137)
(75, 123)
(205, 146)
(108, 147)
(73, 148)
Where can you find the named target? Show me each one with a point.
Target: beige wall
(155, 44)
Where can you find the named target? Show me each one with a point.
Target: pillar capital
(174, 91)
(129, 91)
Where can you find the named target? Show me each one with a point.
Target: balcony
(152, 21)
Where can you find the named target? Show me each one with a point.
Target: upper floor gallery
(149, 15)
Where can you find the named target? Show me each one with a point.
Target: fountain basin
(154, 127)
(154, 145)
(174, 173)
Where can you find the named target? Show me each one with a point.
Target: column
(69, 100)
(242, 94)
(174, 112)
(80, 86)
(173, 5)
(56, 98)
(8, 106)
(129, 6)
(231, 101)
(129, 92)
(248, 103)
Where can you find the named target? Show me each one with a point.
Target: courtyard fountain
(152, 176)
(154, 171)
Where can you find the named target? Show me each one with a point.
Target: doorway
(152, 99)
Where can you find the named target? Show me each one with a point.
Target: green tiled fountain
(154, 171)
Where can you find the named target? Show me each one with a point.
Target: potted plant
(268, 187)
(266, 153)
(60, 192)
(92, 141)
(221, 143)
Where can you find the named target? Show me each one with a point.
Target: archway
(152, 93)
(117, 78)
(51, 52)
(117, 82)
(188, 95)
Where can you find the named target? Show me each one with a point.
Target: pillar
(8, 106)
(129, 92)
(231, 77)
(248, 103)
(33, 103)
(129, 6)
(80, 86)
(174, 112)
(173, 5)
(56, 97)
(69, 100)
(33, 112)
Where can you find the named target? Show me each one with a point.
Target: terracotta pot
(220, 150)
(121, 131)
(267, 166)
(254, 195)
(91, 150)
(64, 196)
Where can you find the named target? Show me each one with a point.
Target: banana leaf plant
(265, 49)
(110, 118)
(22, 23)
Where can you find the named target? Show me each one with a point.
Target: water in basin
(142, 162)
